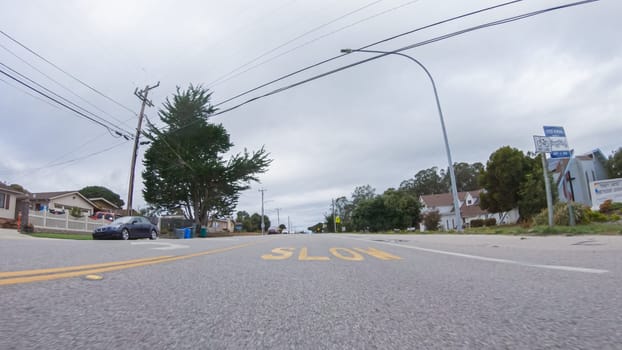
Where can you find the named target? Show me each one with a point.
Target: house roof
(446, 199)
(58, 194)
(102, 199)
(471, 211)
(51, 195)
(7, 188)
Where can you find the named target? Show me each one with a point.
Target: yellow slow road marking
(304, 256)
(75, 271)
(350, 255)
(347, 254)
(279, 254)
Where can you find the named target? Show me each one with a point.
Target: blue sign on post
(559, 144)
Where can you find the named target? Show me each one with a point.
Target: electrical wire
(319, 38)
(55, 94)
(367, 46)
(224, 78)
(126, 136)
(422, 43)
(58, 83)
(67, 73)
(28, 93)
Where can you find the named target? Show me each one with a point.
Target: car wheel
(154, 235)
(125, 234)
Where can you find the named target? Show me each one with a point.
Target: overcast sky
(374, 124)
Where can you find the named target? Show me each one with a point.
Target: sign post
(543, 145)
(560, 149)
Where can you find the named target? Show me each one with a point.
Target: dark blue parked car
(127, 227)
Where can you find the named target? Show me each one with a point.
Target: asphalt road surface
(313, 292)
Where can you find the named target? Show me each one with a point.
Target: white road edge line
(483, 258)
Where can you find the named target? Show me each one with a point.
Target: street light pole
(262, 190)
(452, 175)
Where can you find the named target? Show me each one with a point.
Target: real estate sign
(558, 142)
(603, 190)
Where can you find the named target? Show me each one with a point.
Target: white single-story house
(62, 201)
(469, 209)
(220, 225)
(8, 202)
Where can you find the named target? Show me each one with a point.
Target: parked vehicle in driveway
(103, 215)
(127, 227)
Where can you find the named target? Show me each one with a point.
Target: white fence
(43, 220)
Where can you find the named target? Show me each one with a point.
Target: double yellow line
(29, 276)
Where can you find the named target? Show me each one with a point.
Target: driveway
(6, 233)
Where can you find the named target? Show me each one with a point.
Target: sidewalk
(6, 233)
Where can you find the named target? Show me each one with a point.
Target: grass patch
(77, 236)
(587, 229)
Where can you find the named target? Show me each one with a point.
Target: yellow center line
(72, 268)
(27, 276)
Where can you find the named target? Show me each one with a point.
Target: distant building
(469, 209)
(573, 175)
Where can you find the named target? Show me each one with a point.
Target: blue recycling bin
(180, 233)
(187, 233)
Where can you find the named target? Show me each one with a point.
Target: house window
(4, 201)
(469, 202)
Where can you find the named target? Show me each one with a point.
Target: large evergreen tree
(102, 192)
(185, 165)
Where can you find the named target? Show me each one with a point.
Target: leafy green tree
(185, 165)
(532, 192)
(343, 208)
(282, 227)
(402, 209)
(505, 171)
(362, 193)
(432, 220)
(102, 192)
(370, 215)
(255, 223)
(466, 176)
(19, 188)
(614, 164)
(427, 181)
(245, 219)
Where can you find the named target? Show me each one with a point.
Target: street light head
(346, 50)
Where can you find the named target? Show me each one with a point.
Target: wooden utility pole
(142, 95)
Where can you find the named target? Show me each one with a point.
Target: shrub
(477, 223)
(605, 206)
(596, 216)
(75, 212)
(561, 214)
(431, 220)
(490, 222)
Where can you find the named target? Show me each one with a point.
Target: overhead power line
(365, 47)
(59, 84)
(317, 39)
(67, 73)
(422, 43)
(55, 94)
(114, 129)
(224, 77)
(23, 90)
